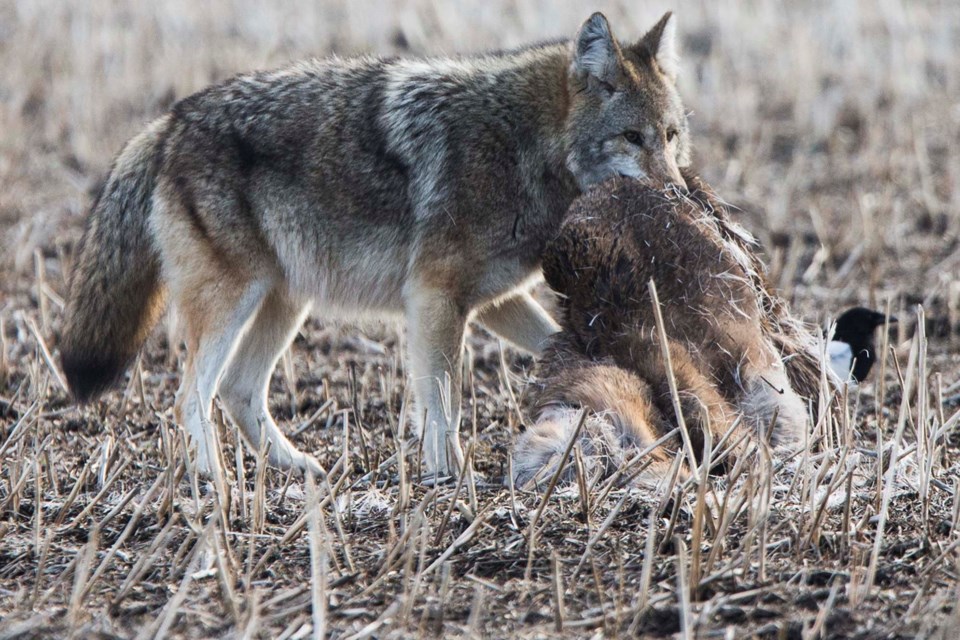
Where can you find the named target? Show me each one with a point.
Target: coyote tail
(116, 294)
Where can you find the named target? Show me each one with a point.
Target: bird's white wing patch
(841, 358)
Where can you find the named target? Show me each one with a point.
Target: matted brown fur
(794, 341)
(741, 362)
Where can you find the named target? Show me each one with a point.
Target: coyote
(738, 357)
(422, 188)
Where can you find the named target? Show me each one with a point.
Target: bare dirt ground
(833, 126)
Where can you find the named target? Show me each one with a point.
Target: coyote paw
(286, 456)
(204, 456)
(308, 464)
(443, 461)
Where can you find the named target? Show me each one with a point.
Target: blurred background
(832, 124)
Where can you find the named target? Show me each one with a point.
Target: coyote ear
(660, 44)
(596, 55)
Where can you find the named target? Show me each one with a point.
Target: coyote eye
(671, 134)
(633, 137)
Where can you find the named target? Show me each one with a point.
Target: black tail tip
(89, 376)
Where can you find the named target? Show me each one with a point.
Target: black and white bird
(852, 350)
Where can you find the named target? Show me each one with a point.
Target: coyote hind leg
(245, 385)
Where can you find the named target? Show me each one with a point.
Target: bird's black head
(859, 324)
(856, 327)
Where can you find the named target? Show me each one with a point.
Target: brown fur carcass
(744, 367)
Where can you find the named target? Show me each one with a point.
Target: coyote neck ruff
(422, 188)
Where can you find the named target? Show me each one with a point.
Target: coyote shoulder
(422, 188)
(742, 365)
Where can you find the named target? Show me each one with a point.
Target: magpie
(852, 350)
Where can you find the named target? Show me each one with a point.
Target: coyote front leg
(520, 320)
(435, 329)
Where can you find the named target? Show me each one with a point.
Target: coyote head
(625, 117)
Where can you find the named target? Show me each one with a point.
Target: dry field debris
(834, 127)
